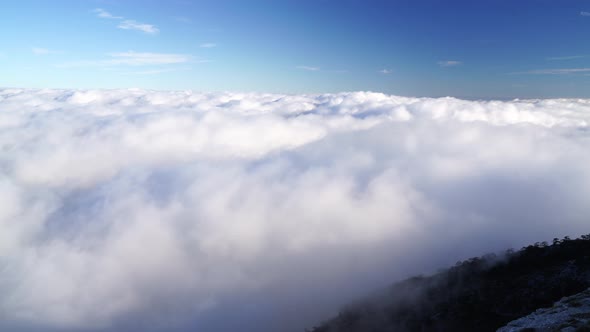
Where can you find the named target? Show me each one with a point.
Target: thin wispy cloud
(308, 68)
(555, 71)
(182, 19)
(157, 71)
(208, 45)
(385, 71)
(44, 51)
(127, 24)
(132, 58)
(449, 63)
(585, 13)
(568, 57)
(141, 59)
(104, 14)
(134, 25)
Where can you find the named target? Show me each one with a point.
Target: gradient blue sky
(469, 49)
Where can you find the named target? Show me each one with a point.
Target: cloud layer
(226, 211)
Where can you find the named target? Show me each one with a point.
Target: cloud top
(165, 209)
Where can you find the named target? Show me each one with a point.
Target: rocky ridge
(570, 314)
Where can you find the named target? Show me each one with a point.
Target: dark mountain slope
(479, 294)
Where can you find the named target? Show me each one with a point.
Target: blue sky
(469, 49)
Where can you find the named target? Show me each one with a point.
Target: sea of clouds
(145, 210)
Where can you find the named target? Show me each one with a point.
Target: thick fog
(135, 210)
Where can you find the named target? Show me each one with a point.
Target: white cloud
(208, 45)
(308, 68)
(154, 209)
(585, 13)
(386, 71)
(134, 25)
(104, 14)
(449, 63)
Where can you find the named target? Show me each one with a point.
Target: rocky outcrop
(570, 314)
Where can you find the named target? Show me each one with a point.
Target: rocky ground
(570, 314)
